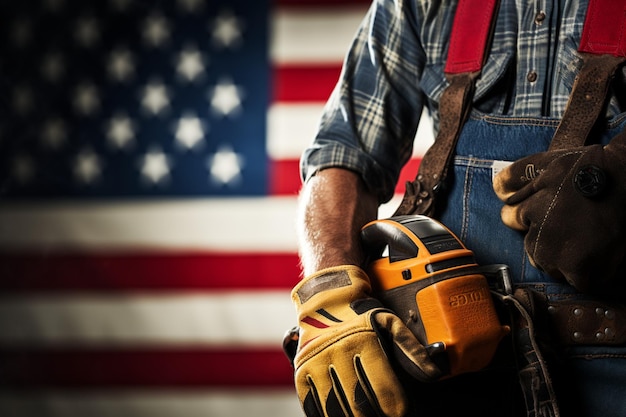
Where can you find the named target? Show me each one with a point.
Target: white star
(120, 5)
(190, 6)
(54, 133)
(225, 166)
(226, 98)
(156, 30)
(121, 133)
(190, 64)
(23, 168)
(121, 65)
(226, 30)
(87, 32)
(155, 97)
(54, 5)
(21, 32)
(23, 100)
(189, 132)
(155, 166)
(86, 99)
(87, 167)
(53, 67)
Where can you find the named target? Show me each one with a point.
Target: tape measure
(423, 272)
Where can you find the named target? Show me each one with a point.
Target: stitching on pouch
(554, 200)
(467, 186)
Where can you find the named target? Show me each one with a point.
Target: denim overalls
(593, 382)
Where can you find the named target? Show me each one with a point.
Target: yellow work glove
(346, 346)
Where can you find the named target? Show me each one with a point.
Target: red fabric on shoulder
(605, 28)
(470, 34)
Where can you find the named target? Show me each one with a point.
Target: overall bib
(589, 380)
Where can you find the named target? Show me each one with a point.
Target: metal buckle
(499, 277)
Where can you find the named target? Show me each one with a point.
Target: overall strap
(469, 41)
(603, 49)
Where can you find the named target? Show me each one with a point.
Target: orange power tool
(421, 271)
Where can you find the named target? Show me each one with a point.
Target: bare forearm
(334, 205)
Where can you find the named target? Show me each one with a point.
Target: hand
(343, 363)
(572, 205)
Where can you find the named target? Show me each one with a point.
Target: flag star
(226, 98)
(21, 32)
(189, 132)
(155, 97)
(54, 5)
(155, 166)
(190, 64)
(86, 99)
(121, 65)
(23, 168)
(87, 32)
(227, 30)
(156, 30)
(23, 100)
(87, 167)
(190, 6)
(121, 132)
(225, 166)
(54, 133)
(120, 5)
(53, 67)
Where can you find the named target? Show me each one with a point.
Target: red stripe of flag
(305, 83)
(285, 176)
(153, 271)
(91, 368)
(408, 173)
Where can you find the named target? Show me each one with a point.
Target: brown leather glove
(572, 205)
(343, 360)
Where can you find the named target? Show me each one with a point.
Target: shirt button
(531, 76)
(540, 17)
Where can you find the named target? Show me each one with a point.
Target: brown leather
(453, 110)
(586, 100)
(588, 322)
(575, 322)
(534, 376)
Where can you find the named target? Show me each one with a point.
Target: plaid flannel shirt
(394, 69)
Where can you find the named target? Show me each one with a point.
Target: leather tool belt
(583, 322)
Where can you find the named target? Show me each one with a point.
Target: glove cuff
(333, 278)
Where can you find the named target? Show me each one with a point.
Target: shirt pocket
(569, 62)
(434, 81)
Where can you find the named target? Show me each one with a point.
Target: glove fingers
(409, 352)
(517, 176)
(324, 395)
(338, 403)
(513, 218)
(369, 389)
(357, 390)
(311, 403)
(369, 403)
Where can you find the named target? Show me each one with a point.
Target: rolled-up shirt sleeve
(369, 122)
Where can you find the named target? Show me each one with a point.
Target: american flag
(148, 180)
